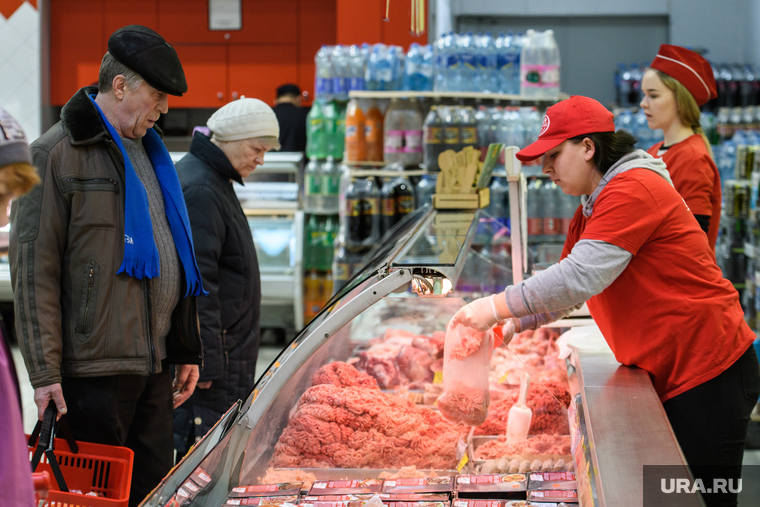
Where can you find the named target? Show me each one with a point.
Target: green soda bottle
(316, 132)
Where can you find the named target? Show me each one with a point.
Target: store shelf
(366, 173)
(367, 94)
(276, 210)
(321, 212)
(365, 164)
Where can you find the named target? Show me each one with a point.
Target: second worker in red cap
(677, 83)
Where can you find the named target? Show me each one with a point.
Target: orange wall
(276, 45)
(362, 21)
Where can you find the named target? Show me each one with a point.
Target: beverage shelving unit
(541, 249)
(399, 94)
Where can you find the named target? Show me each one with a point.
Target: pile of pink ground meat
(361, 427)
(345, 421)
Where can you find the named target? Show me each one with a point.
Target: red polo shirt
(670, 312)
(696, 178)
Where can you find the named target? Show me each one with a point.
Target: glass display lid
(354, 396)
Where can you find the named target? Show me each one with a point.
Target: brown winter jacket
(74, 315)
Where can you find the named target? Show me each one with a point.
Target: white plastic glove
(480, 314)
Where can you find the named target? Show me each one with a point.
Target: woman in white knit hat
(242, 132)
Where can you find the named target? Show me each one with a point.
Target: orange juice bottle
(373, 133)
(355, 143)
(312, 296)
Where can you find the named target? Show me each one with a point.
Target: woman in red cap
(675, 85)
(636, 254)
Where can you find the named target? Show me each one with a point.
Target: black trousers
(711, 421)
(130, 411)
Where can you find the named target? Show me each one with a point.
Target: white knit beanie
(13, 147)
(244, 119)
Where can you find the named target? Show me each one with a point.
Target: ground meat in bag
(466, 358)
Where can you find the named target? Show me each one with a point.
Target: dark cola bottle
(362, 213)
(398, 201)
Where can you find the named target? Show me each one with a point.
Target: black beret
(147, 53)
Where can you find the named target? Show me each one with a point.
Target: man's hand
(184, 383)
(42, 397)
(204, 385)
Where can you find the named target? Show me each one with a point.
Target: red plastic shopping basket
(103, 469)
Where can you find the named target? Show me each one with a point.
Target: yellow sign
(462, 463)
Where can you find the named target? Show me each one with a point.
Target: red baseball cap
(689, 69)
(569, 118)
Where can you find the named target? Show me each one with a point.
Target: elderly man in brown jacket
(104, 274)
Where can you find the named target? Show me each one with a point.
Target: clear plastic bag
(466, 357)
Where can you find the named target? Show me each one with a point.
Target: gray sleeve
(540, 319)
(589, 269)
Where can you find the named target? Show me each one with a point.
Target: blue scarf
(140, 250)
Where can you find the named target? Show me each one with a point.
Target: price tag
(438, 377)
(462, 463)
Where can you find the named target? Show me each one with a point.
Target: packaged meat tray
(495, 447)
(490, 503)
(539, 453)
(418, 485)
(555, 496)
(414, 497)
(417, 504)
(335, 498)
(200, 477)
(491, 483)
(284, 488)
(552, 480)
(350, 487)
(264, 500)
(346, 503)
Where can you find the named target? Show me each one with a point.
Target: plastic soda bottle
(373, 133)
(356, 148)
(393, 147)
(329, 186)
(316, 132)
(312, 186)
(311, 296)
(433, 136)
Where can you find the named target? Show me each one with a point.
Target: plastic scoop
(520, 415)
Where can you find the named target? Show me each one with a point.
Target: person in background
(243, 131)
(291, 117)
(677, 83)
(17, 177)
(102, 263)
(636, 254)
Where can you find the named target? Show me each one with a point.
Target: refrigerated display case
(413, 282)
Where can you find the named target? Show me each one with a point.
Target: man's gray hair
(110, 67)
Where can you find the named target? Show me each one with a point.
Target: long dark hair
(610, 147)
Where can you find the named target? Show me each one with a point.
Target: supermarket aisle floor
(266, 356)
